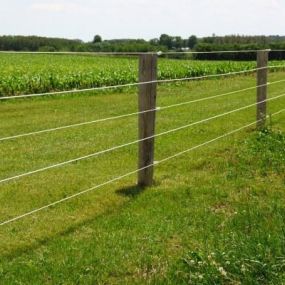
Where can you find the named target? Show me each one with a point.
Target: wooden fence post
(147, 101)
(262, 74)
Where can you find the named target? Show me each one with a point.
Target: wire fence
(130, 173)
(136, 113)
(92, 155)
(151, 83)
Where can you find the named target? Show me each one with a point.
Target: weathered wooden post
(147, 101)
(262, 74)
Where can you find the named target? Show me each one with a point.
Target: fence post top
(265, 50)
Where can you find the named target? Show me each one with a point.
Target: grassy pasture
(214, 216)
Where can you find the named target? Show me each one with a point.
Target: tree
(177, 42)
(97, 39)
(192, 41)
(154, 42)
(166, 40)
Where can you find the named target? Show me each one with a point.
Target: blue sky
(82, 19)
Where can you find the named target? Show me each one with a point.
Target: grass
(214, 216)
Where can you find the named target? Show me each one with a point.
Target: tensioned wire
(214, 52)
(126, 53)
(218, 52)
(138, 83)
(138, 53)
(135, 113)
(135, 142)
(131, 173)
(74, 53)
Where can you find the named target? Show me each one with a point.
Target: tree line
(240, 43)
(163, 43)
(34, 43)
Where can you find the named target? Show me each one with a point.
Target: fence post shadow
(131, 191)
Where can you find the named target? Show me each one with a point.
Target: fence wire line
(131, 173)
(278, 50)
(128, 53)
(138, 83)
(277, 113)
(212, 52)
(75, 53)
(135, 113)
(135, 142)
(138, 53)
(78, 125)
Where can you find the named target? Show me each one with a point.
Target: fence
(146, 113)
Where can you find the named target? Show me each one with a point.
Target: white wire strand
(136, 53)
(77, 125)
(278, 50)
(277, 113)
(220, 95)
(135, 142)
(130, 173)
(123, 53)
(75, 53)
(137, 84)
(212, 52)
(213, 140)
(135, 113)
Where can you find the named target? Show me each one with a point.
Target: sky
(82, 19)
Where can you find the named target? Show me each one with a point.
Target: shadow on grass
(43, 241)
(131, 191)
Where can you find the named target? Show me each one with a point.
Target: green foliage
(268, 148)
(192, 42)
(124, 46)
(43, 73)
(236, 259)
(34, 43)
(166, 40)
(208, 46)
(164, 43)
(47, 49)
(97, 39)
(243, 253)
(173, 43)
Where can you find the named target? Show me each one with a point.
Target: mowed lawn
(214, 216)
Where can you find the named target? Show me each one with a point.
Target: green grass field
(214, 216)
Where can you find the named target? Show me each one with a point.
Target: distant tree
(192, 41)
(47, 49)
(34, 43)
(164, 43)
(154, 42)
(166, 40)
(185, 43)
(97, 39)
(177, 42)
